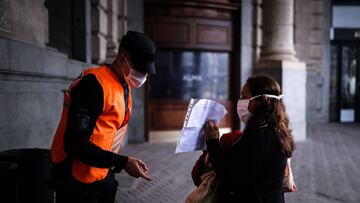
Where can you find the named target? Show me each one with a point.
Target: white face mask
(242, 110)
(135, 78)
(243, 105)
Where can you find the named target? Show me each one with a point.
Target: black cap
(142, 51)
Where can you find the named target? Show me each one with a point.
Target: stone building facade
(43, 47)
(45, 44)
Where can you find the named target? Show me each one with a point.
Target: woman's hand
(211, 131)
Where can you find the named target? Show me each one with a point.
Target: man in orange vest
(97, 108)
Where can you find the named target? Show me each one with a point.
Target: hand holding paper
(211, 131)
(199, 111)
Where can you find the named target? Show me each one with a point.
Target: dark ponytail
(272, 111)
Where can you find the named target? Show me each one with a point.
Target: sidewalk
(326, 169)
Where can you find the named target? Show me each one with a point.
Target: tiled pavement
(327, 165)
(326, 169)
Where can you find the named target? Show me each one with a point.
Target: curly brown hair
(271, 111)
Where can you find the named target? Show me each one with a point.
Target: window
(191, 74)
(69, 30)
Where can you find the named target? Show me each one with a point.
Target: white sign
(198, 113)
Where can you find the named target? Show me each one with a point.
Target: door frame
(339, 45)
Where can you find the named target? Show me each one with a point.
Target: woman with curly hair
(251, 169)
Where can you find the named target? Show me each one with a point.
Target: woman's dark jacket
(252, 170)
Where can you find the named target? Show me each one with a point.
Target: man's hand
(137, 168)
(211, 131)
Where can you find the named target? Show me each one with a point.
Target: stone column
(132, 18)
(278, 30)
(112, 37)
(257, 29)
(278, 59)
(99, 30)
(113, 28)
(122, 18)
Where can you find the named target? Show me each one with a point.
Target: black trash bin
(8, 182)
(34, 169)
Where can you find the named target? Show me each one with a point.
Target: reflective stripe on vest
(108, 133)
(118, 140)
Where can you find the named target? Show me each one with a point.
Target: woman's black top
(252, 170)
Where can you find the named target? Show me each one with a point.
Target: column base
(291, 76)
(279, 57)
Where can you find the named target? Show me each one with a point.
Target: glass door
(348, 79)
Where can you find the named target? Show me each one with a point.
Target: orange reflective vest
(107, 134)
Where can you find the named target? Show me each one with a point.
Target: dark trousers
(103, 191)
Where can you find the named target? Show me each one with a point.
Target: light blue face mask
(243, 104)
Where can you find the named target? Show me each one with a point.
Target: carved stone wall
(4, 15)
(24, 20)
(312, 44)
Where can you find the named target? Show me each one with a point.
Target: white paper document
(198, 113)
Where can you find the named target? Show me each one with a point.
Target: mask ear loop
(127, 63)
(268, 95)
(274, 96)
(252, 98)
